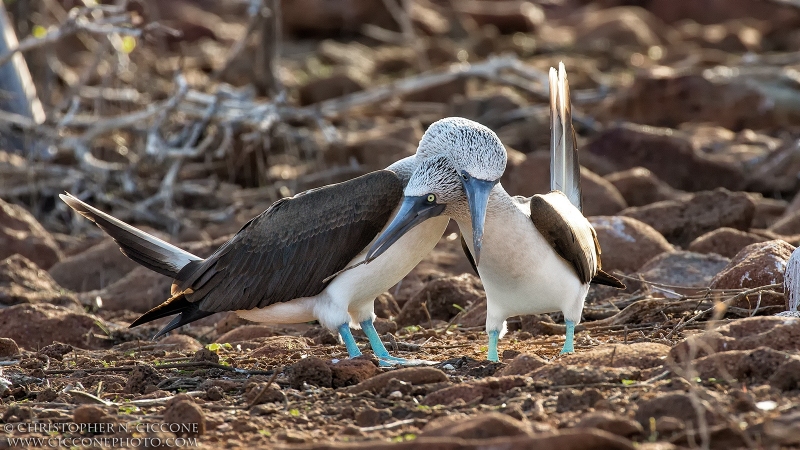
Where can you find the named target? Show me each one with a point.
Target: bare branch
(111, 19)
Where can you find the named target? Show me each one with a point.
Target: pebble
(188, 414)
(413, 375)
(8, 348)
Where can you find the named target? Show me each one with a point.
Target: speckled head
(478, 157)
(473, 149)
(436, 176)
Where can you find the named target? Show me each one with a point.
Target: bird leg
(378, 348)
(494, 335)
(384, 358)
(375, 340)
(349, 342)
(568, 347)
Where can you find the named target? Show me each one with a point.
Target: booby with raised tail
(286, 265)
(534, 255)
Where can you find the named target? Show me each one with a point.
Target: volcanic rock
(787, 225)
(439, 296)
(687, 269)
(724, 241)
(778, 333)
(483, 389)
(600, 197)
(8, 348)
(21, 233)
(31, 326)
(95, 268)
(522, 365)
(627, 243)
(482, 426)
(640, 187)
(140, 290)
(629, 26)
(22, 282)
(675, 405)
(682, 221)
(188, 414)
(246, 333)
(613, 423)
(643, 355)
(667, 153)
(756, 265)
(311, 370)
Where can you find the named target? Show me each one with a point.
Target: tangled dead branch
(116, 133)
(98, 19)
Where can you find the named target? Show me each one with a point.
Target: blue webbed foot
(570, 338)
(494, 336)
(384, 358)
(394, 361)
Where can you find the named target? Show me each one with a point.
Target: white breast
(521, 273)
(358, 287)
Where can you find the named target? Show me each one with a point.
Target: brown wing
(285, 252)
(573, 244)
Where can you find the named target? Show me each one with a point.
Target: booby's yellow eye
(431, 198)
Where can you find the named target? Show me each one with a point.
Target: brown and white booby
(534, 255)
(276, 268)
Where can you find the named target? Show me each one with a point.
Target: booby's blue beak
(477, 191)
(413, 211)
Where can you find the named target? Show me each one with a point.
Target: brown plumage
(284, 253)
(570, 244)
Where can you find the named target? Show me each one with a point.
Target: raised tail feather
(145, 249)
(565, 170)
(153, 253)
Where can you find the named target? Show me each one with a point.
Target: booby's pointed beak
(413, 211)
(478, 197)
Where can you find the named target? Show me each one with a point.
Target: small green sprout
(128, 409)
(404, 437)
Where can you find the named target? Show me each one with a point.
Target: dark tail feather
(145, 249)
(188, 312)
(182, 319)
(608, 280)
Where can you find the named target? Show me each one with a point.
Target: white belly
(521, 272)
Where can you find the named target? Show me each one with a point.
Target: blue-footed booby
(287, 264)
(534, 255)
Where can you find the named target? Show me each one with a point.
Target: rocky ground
(687, 119)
